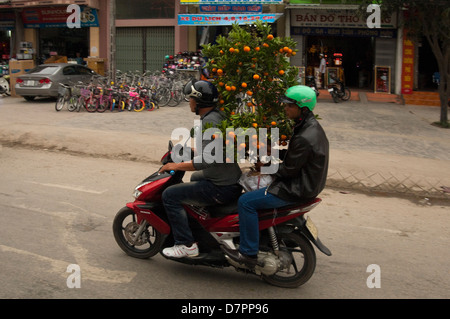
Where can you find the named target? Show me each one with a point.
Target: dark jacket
(303, 172)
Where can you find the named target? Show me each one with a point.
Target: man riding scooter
(212, 184)
(300, 177)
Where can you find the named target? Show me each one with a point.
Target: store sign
(335, 18)
(407, 65)
(7, 20)
(227, 8)
(323, 2)
(345, 32)
(225, 19)
(56, 17)
(231, 1)
(5, 4)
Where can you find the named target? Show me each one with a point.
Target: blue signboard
(228, 8)
(226, 19)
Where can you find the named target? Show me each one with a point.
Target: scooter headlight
(137, 193)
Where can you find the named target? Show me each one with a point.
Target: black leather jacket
(302, 174)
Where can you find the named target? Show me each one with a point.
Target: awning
(226, 19)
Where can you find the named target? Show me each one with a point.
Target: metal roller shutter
(143, 48)
(129, 53)
(159, 43)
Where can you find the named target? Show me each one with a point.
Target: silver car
(44, 79)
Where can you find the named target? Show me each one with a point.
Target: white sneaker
(180, 251)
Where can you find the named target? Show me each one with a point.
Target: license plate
(312, 228)
(330, 90)
(28, 83)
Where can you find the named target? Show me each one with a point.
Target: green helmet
(301, 95)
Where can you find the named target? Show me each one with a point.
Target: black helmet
(204, 92)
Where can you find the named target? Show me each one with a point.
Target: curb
(132, 147)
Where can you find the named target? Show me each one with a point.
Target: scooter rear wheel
(347, 95)
(302, 265)
(125, 226)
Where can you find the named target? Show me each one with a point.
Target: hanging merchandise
(183, 61)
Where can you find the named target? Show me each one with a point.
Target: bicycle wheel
(163, 96)
(60, 103)
(81, 101)
(91, 104)
(103, 105)
(72, 103)
(138, 105)
(151, 106)
(121, 105)
(129, 105)
(175, 98)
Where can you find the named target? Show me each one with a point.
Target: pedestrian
(322, 69)
(213, 183)
(300, 177)
(79, 59)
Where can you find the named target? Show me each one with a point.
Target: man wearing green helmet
(300, 177)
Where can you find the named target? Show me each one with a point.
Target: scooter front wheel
(335, 97)
(125, 228)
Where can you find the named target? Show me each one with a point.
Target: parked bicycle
(65, 97)
(132, 91)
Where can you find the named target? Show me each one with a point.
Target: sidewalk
(374, 147)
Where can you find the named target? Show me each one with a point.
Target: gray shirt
(219, 173)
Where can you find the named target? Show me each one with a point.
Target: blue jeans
(248, 205)
(198, 193)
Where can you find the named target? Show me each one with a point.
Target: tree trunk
(441, 52)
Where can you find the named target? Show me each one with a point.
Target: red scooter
(142, 229)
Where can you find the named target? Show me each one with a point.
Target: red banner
(407, 65)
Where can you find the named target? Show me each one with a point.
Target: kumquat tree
(251, 70)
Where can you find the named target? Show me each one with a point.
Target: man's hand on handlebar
(184, 166)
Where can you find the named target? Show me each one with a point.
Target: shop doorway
(427, 66)
(355, 55)
(63, 41)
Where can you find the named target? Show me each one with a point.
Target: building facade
(138, 34)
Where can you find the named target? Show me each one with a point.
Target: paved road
(374, 146)
(57, 210)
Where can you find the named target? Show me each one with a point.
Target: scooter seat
(223, 210)
(298, 205)
(232, 208)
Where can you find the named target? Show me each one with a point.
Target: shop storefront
(55, 38)
(6, 29)
(353, 52)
